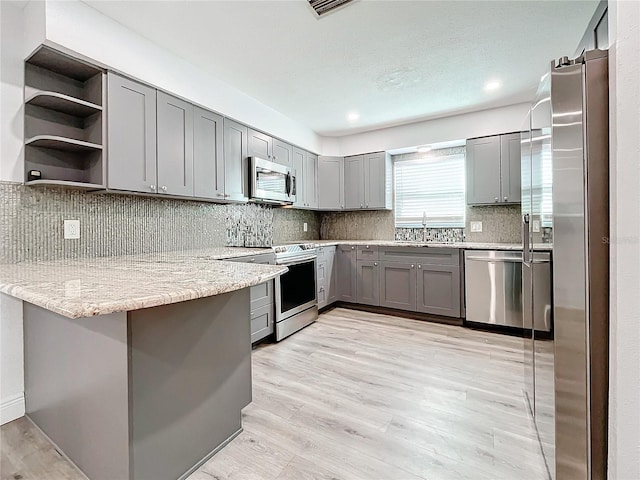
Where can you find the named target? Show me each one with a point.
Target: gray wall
(31, 224)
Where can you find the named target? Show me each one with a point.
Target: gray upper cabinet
(377, 181)
(260, 145)
(131, 120)
(368, 282)
(354, 182)
(367, 181)
(493, 169)
(236, 164)
(282, 153)
(310, 180)
(510, 167)
(305, 165)
(438, 289)
(208, 154)
(483, 170)
(175, 145)
(398, 285)
(331, 183)
(298, 166)
(346, 273)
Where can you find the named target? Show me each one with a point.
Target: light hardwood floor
(359, 395)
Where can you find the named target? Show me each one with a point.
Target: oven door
(296, 289)
(271, 182)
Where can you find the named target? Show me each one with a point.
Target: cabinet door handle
(367, 206)
(375, 264)
(220, 194)
(505, 199)
(353, 248)
(413, 266)
(152, 187)
(361, 206)
(341, 206)
(496, 199)
(419, 266)
(164, 188)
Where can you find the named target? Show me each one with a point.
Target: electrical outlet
(476, 227)
(535, 226)
(71, 229)
(304, 227)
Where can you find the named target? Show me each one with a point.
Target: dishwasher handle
(496, 260)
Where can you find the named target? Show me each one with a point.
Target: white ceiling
(392, 61)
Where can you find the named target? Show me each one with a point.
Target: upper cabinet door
(282, 153)
(175, 145)
(260, 145)
(131, 144)
(298, 166)
(510, 167)
(483, 170)
(311, 180)
(354, 182)
(377, 181)
(330, 183)
(208, 155)
(236, 163)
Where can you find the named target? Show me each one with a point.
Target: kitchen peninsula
(138, 366)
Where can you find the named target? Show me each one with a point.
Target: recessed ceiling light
(493, 85)
(353, 116)
(424, 149)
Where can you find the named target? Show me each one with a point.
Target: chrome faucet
(424, 227)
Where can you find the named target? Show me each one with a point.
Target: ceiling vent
(322, 7)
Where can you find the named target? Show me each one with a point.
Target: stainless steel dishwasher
(493, 288)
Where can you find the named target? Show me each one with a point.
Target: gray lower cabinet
(326, 275)
(346, 273)
(367, 283)
(262, 311)
(175, 145)
(208, 154)
(398, 285)
(236, 165)
(331, 183)
(131, 142)
(438, 290)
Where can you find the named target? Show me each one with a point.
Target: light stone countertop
(403, 243)
(96, 286)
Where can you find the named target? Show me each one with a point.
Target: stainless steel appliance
(271, 182)
(296, 296)
(568, 381)
(493, 292)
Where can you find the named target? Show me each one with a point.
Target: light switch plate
(71, 229)
(535, 226)
(304, 227)
(476, 227)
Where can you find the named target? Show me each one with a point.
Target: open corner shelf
(63, 103)
(62, 143)
(66, 183)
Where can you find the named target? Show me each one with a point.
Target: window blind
(431, 183)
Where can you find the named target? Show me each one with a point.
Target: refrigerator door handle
(526, 254)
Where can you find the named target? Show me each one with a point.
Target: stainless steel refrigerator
(566, 375)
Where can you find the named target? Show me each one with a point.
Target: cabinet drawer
(367, 252)
(261, 323)
(422, 255)
(261, 295)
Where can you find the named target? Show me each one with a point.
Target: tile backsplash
(31, 224)
(500, 224)
(440, 235)
(365, 225)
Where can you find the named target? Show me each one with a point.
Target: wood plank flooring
(359, 395)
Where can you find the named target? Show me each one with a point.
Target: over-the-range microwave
(271, 182)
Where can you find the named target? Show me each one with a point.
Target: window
(432, 183)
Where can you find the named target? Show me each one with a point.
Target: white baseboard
(11, 408)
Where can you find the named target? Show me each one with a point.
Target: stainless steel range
(296, 300)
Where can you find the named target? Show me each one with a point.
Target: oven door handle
(295, 261)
